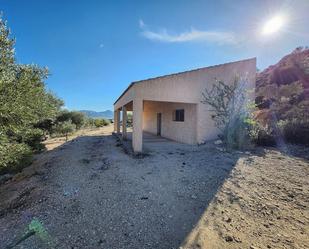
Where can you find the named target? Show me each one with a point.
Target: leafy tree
(45, 125)
(65, 128)
(24, 103)
(129, 119)
(75, 117)
(78, 119)
(63, 116)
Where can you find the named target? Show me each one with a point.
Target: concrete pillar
(137, 136)
(117, 121)
(124, 122)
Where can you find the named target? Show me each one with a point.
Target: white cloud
(141, 23)
(192, 35)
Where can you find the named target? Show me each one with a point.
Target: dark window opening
(179, 115)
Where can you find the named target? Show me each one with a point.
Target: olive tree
(25, 102)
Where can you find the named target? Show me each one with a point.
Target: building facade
(170, 106)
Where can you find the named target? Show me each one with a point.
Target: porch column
(124, 122)
(117, 121)
(137, 136)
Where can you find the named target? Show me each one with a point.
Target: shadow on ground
(151, 202)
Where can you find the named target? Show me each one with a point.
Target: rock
(253, 247)
(227, 219)
(193, 196)
(291, 195)
(237, 239)
(217, 142)
(228, 238)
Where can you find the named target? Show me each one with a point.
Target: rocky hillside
(282, 97)
(291, 68)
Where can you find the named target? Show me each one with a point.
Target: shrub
(45, 125)
(264, 135)
(231, 112)
(33, 138)
(14, 156)
(238, 132)
(295, 131)
(65, 128)
(77, 118)
(101, 122)
(106, 122)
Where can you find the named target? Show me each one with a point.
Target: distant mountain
(93, 114)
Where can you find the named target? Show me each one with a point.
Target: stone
(228, 238)
(217, 142)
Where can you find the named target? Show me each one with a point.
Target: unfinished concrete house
(170, 106)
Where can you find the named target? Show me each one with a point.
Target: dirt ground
(88, 193)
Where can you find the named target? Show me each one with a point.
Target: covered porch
(156, 122)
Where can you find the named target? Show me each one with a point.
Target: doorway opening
(159, 121)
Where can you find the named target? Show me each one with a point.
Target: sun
(273, 25)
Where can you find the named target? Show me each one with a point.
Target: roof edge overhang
(163, 76)
(124, 92)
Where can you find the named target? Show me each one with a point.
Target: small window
(179, 115)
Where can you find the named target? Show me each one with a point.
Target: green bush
(101, 122)
(45, 125)
(65, 128)
(25, 103)
(238, 132)
(32, 137)
(106, 122)
(14, 157)
(77, 118)
(295, 131)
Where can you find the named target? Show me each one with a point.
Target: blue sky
(94, 49)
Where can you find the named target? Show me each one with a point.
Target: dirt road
(88, 193)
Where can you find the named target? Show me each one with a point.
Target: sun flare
(273, 25)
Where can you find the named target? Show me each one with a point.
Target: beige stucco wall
(126, 98)
(187, 87)
(184, 132)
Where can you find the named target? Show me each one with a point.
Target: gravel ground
(88, 193)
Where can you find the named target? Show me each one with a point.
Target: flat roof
(173, 74)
